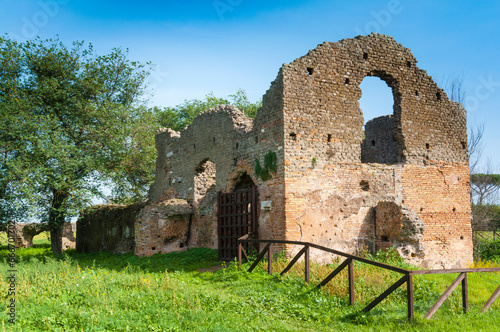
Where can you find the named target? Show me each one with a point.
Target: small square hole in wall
(373, 142)
(416, 93)
(365, 186)
(461, 237)
(310, 71)
(153, 248)
(385, 238)
(427, 146)
(438, 95)
(329, 138)
(454, 209)
(293, 136)
(464, 145)
(408, 64)
(214, 139)
(365, 56)
(346, 81)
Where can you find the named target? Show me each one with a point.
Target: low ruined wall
(25, 232)
(107, 228)
(163, 227)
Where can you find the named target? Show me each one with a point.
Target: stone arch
(243, 181)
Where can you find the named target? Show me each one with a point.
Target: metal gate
(236, 216)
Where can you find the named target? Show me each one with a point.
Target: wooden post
(465, 294)
(350, 269)
(306, 261)
(409, 297)
(240, 247)
(270, 259)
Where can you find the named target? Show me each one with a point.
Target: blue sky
(222, 45)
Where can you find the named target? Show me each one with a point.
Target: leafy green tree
(135, 174)
(485, 187)
(67, 122)
(182, 115)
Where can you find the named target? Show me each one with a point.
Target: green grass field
(191, 291)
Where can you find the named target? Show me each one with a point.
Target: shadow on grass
(187, 261)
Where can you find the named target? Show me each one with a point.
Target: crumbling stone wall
(404, 179)
(163, 227)
(324, 140)
(400, 227)
(25, 232)
(107, 228)
(379, 144)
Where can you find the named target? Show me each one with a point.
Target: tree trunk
(57, 216)
(56, 241)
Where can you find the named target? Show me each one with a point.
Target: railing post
(350, 269)
(240, 247)
(306, 261)
(270, 259)
(409, 296)
(465, 294)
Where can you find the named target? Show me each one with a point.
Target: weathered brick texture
(402, 182)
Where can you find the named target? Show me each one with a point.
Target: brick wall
(331, 177)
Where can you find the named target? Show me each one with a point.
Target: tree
(182, 115)
(485, 188)
(131, 181)
(67, 116)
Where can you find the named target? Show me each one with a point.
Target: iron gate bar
(408, 274)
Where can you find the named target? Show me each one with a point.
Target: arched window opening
(243, 181)
(377, 105)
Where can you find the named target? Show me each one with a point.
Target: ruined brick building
(318, 175)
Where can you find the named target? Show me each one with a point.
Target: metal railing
(407, 275)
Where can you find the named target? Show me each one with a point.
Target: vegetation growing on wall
(269, 166)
